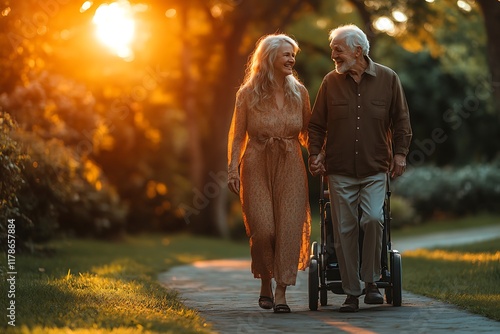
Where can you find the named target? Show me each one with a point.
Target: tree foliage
(11, 181)
(104, 144)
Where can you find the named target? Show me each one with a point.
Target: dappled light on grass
(110, 269)
(485, 298)
(464, 275)
(478, 303)
(68, 330)
(92, 286)
(453, 256)
(189, 258)
(97, 303)
(120, 268)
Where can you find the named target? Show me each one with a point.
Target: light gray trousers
(346, 194)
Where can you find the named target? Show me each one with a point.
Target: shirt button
(359, 117)
(359, 106)
(356, 152)
(359, 94)
(357, 127)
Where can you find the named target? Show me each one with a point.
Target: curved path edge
(225, 294)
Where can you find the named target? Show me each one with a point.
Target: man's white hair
(353, 37)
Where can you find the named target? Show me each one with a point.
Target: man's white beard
(345, 67)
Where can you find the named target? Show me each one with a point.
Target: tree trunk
(491, 13)
(189, 105)
(366, 17)
(216, 151)
(212, 217)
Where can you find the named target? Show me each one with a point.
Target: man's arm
(318, 123)
(317, 130)
(400, 119)
(401, 129)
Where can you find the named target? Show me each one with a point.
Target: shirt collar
(370, 69)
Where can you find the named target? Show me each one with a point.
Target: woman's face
(285, 59)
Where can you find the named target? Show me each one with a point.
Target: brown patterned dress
(264, 151)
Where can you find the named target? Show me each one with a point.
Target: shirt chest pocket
(378, 109)
(338, 109)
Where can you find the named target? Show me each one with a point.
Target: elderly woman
(266, 168)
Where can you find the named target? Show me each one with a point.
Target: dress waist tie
(274, 149)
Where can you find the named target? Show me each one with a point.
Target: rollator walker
(324, 272)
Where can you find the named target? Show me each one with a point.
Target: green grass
(88, 286)
(434, 226)
(472, 285)
(91, 286)
(467, 276)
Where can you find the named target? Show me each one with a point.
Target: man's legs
(344, 195)
(372, 197)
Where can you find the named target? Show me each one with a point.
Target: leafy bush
(48, 188)
(402, 212)
(127, 141)
(11, 181)
(62, 185)
(453, 192)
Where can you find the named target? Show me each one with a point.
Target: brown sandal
(266, 303)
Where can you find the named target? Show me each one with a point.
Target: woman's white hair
(260, 78)
(353, 37)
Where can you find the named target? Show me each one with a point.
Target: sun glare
(399, 16)
(385, 24)
(464, 5)
(115, 27)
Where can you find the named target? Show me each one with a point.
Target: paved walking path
(225, 294)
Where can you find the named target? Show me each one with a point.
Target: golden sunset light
(172, 166)
(115, 27)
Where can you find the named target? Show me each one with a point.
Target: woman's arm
(237, 140)
(306, 116)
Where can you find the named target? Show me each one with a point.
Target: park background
(115, 115)
(114, 119)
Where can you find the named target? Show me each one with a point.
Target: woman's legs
(266, 288)
(266, 294)
(279, 295)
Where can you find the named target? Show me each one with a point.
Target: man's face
(342, 55)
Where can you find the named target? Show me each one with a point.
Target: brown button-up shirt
(360, 126)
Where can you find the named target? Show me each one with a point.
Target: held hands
(398, 165)
(317, 164)
(234, 185)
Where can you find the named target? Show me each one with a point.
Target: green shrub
(402, 212)
(87, 129)
(66, 192)
(47, 188)
(11, 181)
(451, 192)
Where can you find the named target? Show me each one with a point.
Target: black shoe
(351, 304)
(373, 295)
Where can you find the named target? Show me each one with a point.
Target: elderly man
(359, 134)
